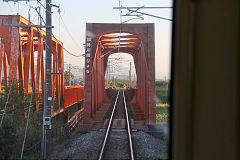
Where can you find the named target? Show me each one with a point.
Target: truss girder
(19, 48)
(105, 39)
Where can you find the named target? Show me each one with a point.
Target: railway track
(119, 113)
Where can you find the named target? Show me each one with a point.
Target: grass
(162, 106)
(162, 95)
(162, 114)
(162, 110)
(163, 157)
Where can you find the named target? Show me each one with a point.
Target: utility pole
(69, 74)
(48, 83)
(48, 107)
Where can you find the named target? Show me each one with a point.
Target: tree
(14, 121)
(66, 76)
(161, 84)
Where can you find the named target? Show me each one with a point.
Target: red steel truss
(19, 47)
(105, 39)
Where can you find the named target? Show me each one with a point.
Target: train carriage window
(106, 66)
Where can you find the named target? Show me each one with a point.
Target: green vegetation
(14, 122)
(163, 157)
(66, 76)
(162, 113)
(162, 95)
(161, 84)
(120, 84)
(162, 102)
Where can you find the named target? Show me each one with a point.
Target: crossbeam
(20, 41)
(141, 7)
(28, 26)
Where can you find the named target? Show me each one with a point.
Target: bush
(8, 139)
(14, 121)
(162, 95)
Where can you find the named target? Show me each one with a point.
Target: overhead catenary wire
(81, 55)
(39, 1)
(29, 108)
(72, 54)
(60, 17)
(143, 13)
(28, 115)
(120, 27)
(70, 35)
(75, 55)
(39, 17)
(27, 4)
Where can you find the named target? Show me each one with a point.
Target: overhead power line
(42, 19)
(70, 35)
(139, 14)
(142, 13)
(82, 55)
(141, 7)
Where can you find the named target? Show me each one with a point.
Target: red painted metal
(18, 48)
(135, 39)
(72, 95)
(75, 120)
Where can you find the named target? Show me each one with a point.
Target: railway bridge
(22, 59)
(21, 45)
(104, 39)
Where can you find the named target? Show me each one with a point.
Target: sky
(70, 24)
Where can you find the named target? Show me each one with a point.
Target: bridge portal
(103, 39)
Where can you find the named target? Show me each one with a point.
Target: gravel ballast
(148, 147)
(87, 146)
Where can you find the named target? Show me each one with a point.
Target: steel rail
(128, 128)
(109, 125)
(115, 114)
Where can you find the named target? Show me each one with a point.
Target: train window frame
(172, 75)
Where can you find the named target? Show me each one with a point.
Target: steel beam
(142, 35)
(17, 47)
